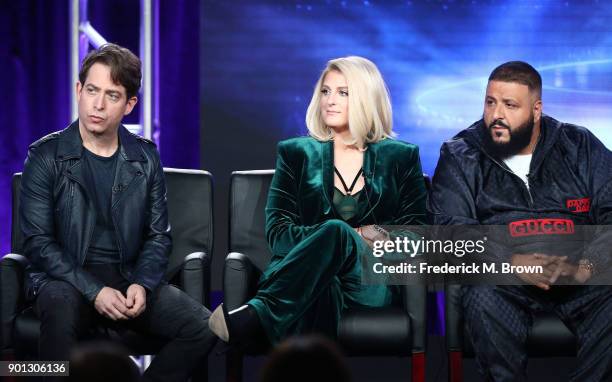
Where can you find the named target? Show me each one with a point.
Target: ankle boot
(240, 326)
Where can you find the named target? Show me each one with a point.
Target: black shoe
(238, 327)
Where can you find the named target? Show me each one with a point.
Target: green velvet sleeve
(283, 226)
(412, 190)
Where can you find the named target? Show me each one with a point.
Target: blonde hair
(369, 105)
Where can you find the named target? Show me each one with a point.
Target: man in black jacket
(95, 226)
(541, 178)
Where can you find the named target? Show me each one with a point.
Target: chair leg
(418, 367)
(455, 366)
(233, 367)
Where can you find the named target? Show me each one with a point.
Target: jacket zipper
(91, 229)
(516, 176)
(118, 240)
(89, 236)
(70, 204)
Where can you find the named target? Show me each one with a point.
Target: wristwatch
(587, 265)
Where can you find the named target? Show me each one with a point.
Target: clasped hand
(372, 233)
(112, 304)
(554, 267)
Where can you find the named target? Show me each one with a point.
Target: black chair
(389, 331)
(549, 336)
(189, 195)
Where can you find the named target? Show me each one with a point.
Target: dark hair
(124, 66)
(308, 358)
(100, 362)
(521, 72)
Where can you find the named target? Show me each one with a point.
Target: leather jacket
(57, 212)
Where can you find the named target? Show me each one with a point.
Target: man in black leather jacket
(95, 226)
(539, 177)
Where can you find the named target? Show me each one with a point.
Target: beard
(519, 138)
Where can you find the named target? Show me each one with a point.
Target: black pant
(499, 319)
(170, 314)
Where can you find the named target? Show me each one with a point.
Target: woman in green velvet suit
(329, 190)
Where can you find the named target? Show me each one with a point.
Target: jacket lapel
(327, 171)
(70, 147)
(128, 171)
(125, 175)
(76, 174)
(373, 184)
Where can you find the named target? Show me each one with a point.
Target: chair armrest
(195, 277)
(12, 268)
(414, 302)
(453, 318)
(240, 278)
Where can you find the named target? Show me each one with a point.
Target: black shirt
(100, 171)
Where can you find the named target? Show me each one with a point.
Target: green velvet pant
(307, 289)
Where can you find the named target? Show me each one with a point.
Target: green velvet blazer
(300, 196)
